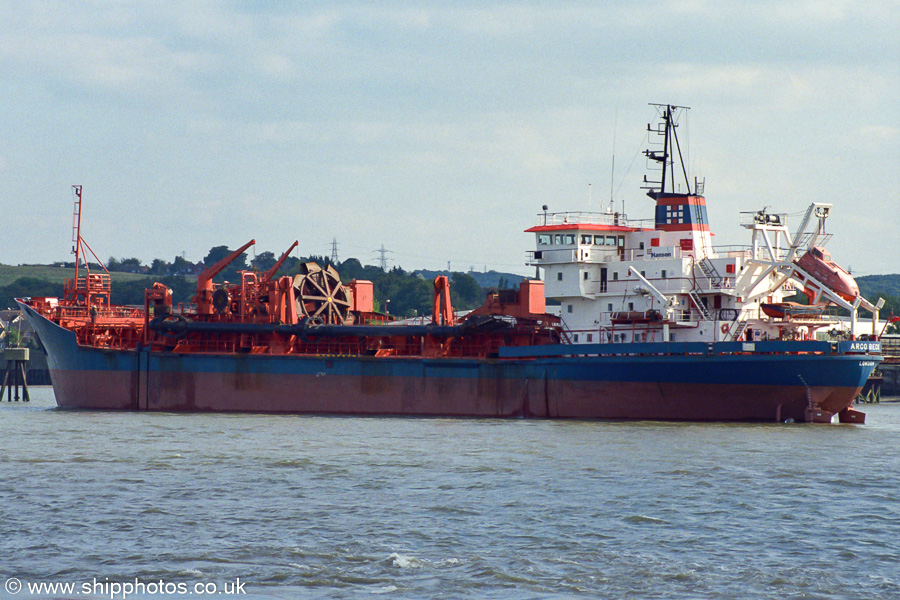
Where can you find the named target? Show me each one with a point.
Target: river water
(326, 507)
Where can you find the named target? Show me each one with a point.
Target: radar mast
(666, 155)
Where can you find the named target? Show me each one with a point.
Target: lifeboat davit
(817, 262)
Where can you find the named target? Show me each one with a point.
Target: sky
(436, 130)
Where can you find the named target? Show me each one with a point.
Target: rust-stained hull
(684, 387)
(720, 385)
(441, 396)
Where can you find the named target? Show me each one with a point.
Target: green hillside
(45, 280)
(873, 286)
(50, 274)
(489, 279)
(395, 290)
(409, 293)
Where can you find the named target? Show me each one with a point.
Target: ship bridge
(594, 238)
(590, 263)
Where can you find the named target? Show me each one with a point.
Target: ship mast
(76, 230)
(90, 290)
(666, 157)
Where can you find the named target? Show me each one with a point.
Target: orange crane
(204, 298)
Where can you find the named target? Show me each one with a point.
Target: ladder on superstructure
(715, 279)
(737, 330)
(709, 269)
(698, 303)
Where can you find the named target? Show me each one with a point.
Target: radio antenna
(612, 171)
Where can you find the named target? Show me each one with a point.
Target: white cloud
(313, 110)
(277, 66)
(130, 65)
(880, 132)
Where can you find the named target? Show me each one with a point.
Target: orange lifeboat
(817, 262)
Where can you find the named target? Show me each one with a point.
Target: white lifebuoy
(724, 327)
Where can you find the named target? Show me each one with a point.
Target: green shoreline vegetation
(409, 292)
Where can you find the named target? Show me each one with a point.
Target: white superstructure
(619, 280)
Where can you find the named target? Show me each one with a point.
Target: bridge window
(598, 240)
(610, 240)
(545, 239)
(558, 239)
(570, 238)
(586, 239)
(674, 214)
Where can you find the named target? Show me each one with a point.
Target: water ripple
(314, 507)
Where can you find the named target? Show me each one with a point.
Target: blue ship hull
(729, 381)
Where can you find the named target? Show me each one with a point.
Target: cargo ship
(654, 323)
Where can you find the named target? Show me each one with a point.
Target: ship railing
(630, 254)
(686, 315)
(614, 219)
(615, 334)
(84, 312)
(679, 315)
(415, 320)
(236, 344)
(582, 336)
(707, 284)
(692, 316)
(666, 285)
(328, 348)
(600, 254)
(94, 282)
(733, 251)
(583, 254)
(746, 252)
(707, 349)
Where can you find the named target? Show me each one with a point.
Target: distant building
(11, 320)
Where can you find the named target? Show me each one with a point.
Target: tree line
(397, 291)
